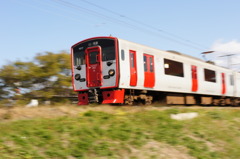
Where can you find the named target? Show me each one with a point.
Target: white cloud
(226, 54)
(231, 47)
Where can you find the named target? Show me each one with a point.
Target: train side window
(231, 80)
(210, 75)
(173, 68)
(122, 55)
(145, 63)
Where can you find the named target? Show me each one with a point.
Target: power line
(173, 39)
(144, 24)
(151, 30)
(77, 7)
(46, 10)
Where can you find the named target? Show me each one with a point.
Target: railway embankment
(119, 132)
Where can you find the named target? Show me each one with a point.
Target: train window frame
(151, 69)
(231, 80)
(108, 50)
(108, 53)
(148, 61)
(79, 58)
(132, 60)
(209, 75)
(173, 68)
(145, 63)
(122, 55)
(93, 57)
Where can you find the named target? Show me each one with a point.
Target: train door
(223, 83)
(149, 74)
(94, 66)
(133, 68)
(194, 79)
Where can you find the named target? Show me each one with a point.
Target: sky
(30, 27)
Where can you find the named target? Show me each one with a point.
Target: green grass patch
(214, 134)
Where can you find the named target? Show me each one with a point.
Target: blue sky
(29, 27)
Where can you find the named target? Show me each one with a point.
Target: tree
(46, 76)
(3, 92)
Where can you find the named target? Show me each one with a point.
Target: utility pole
(228, 59)
(227, 55)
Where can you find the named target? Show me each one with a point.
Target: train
(110, 70)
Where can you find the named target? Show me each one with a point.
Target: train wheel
(148, 100)
(222, 102)
(215, 102)
(128, 100)
(233, 102)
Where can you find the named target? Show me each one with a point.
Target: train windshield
(107, 47)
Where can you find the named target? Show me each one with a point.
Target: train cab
(95, 68)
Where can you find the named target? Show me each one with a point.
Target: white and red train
(112, 70)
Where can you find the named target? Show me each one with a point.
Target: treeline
(46, 77)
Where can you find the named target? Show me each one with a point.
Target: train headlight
(77, 77)
(109, 63)
(111, 72)
(79, 67)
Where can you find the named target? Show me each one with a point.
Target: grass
(214, 134)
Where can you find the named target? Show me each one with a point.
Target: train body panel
(115, 68)
(172, 83)
(237, 84)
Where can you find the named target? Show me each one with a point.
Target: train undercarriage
(144, 97)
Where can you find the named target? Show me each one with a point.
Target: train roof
(181, 54)
(189, 56)
(170, 51)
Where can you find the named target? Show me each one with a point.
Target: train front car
(95, 71)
